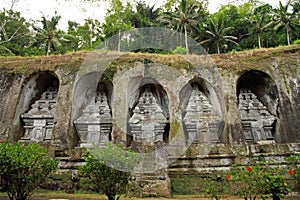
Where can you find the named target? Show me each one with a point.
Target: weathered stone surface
(257, 121)
(154, 184)
(200, 120)
(39, 119)
(273, 77)
(147, 124)
(94, 125)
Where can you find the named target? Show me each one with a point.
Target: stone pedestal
(155, 184)
(257, 121)
(95, 124)
(147, 126)
(39, 120)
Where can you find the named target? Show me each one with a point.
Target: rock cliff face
(193, 106)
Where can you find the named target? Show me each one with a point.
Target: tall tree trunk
(259, 41)
(48, 47)
(218, 48)
(287, 35)
(119, 41)
(186, 40)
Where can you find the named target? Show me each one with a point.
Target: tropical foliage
(24, 168)
(109, 170)
(252, 24)
(217, 33)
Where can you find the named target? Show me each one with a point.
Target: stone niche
(257, 121)
(39, 120)
(148, 121)
(95, 124)
(201, 123)
(258, 105)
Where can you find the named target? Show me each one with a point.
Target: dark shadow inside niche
(262, 86)
(43, 82)
(161, 98)
(199, 102)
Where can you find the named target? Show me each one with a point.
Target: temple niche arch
(40, 100)
(148, 116)
(257, 97)
(201, 113)
(92, 113)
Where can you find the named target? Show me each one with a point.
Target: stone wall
(207, 115)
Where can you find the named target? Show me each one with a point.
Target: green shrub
(296, 41)
(294, 167)
(5, 51)
(109, 170)
(216, 187)
(259, 179)
(23, 168)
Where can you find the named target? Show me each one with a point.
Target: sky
(75, 10)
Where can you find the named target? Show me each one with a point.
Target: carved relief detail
(201, 122)
(257, 121)
(39, 119)
(148, 121)
(95, 124)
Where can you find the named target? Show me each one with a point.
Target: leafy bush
(259, 179)
(296, 42)
(109, 170)
(180, 50)
(275, 186)
(5, 51)
(294, 167)
(217, 186)
(23, 168)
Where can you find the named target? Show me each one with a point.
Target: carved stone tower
(257, 121)
(148, 121)
(39, 119)
(201, 122)
(95, 124)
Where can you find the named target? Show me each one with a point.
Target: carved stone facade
(200, 121)
(95, 124)
(257, 121)
(148, 122)
(39, 119)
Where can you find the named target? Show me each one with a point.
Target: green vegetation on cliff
(238, 62)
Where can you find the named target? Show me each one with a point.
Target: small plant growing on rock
(23, 168)
(180, 50)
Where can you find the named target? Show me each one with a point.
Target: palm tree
(261, 21)
(284, 19)
(49, 33)
(185, 16)
(217, 32)
(145, 15)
